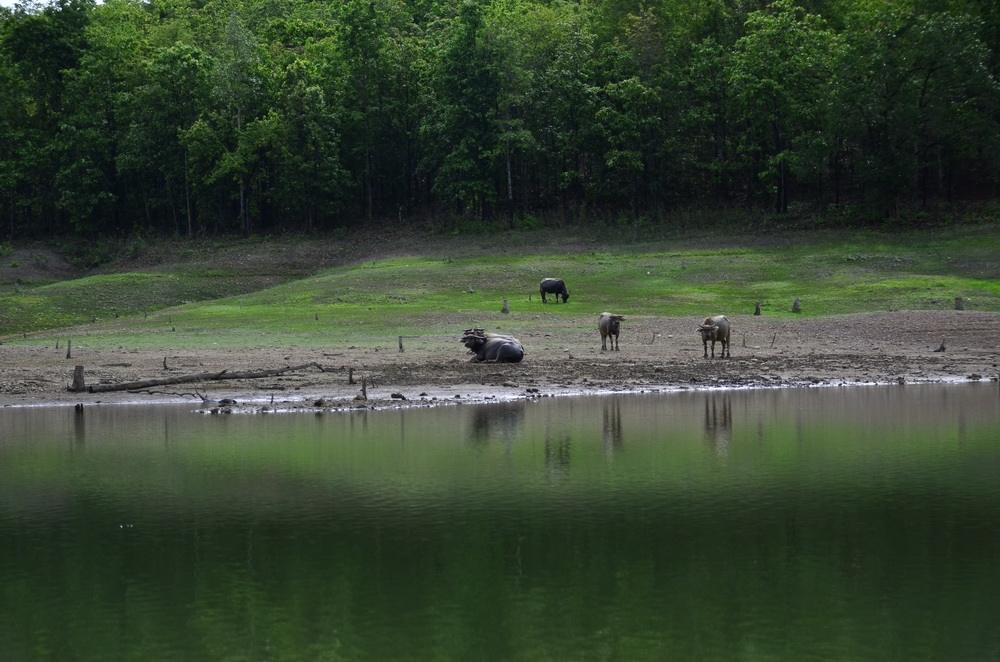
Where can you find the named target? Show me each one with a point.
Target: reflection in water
(719, 422)
(557, 453)
(612, 426)
(496, 422)
(848, 521)
(79, 426)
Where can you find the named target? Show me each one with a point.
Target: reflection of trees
(500, 421)
(356, 416)
(612, 426)
(719, 422)
(557, 455)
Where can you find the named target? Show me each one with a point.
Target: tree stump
(505, 309)
(78, 382)
(959, 303)
(796, 306)
(69, 348)
(756, 310)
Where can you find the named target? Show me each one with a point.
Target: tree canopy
(209, 116)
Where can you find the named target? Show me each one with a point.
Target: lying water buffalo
(553, 286)
(492, 347)
(609, 325)
(715, 329)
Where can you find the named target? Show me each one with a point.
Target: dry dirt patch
(33, 266)
(849, 349)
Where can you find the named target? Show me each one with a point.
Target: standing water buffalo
(492, 347)
(553, 286)
(715, 329)
(609, 325)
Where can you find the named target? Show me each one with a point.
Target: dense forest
(195, 117)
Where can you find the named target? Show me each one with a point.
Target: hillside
(316, 291)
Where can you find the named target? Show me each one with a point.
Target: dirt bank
(657, 353)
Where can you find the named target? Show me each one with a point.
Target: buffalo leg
(704, 344)
(604, 342)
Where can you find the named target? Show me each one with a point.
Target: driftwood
(200, 377)
(196, 394)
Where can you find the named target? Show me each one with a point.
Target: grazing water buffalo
(492, 347)
(553, 286)
(715, 329)
(609, 325)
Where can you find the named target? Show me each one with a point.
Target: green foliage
(779, 70)
(184, 117)
(917, 98)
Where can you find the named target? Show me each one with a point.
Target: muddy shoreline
(659, 354)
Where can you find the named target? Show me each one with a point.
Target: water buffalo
(492, 347)
(609, 325)
(715, 329)
(553, 286)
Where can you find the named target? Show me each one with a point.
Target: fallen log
(200, 377)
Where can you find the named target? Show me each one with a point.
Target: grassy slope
(835, 273)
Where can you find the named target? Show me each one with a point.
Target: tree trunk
(369, 212)
(783, 187)
(781, 197)
(78, 381)
(187, 195)
(510, 193)
(175, 221)
(836, 177)
(244, 218)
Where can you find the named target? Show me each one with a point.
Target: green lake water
(819, 524)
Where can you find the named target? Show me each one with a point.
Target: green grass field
(831, 272)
